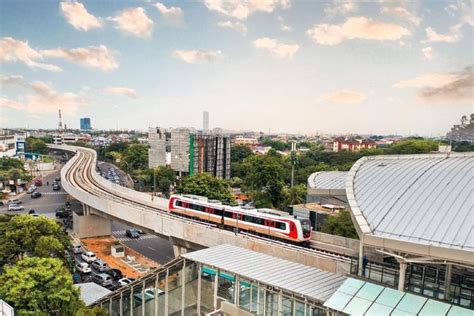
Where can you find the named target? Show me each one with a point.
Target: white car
(77, 249)
(125, 281)
(15, 207)
(83, 267)
(88, 256)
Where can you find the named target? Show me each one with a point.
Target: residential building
(12, 143)
(352, 144)
(85, 123)
(188, 152)
(205, 121)
(248, 141)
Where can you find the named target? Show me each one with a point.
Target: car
(56, 187)
(77, 249)
(35, 195)
(14, 201)
(125, 281)
(31, 211)
(83, 267)
(116, 274)
(102, 279)
(58, 179)
(88, 256)
(100, 265)
(1, 203)
(38, 182)
(62, 213)
(132, 233)
(15, 207)
(31, 189)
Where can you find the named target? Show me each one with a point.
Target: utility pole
(293, 162)
(154, 183)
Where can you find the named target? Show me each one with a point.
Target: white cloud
(12, 50)
(196, 55)
(342, 96)
(45, 99)
(285, 28)
(341, 7)
(241, 9)
(11, 80)
(356, 28)
(93, 56)
(236, 26)
(442, 87)
(276, 48)
(402, 13)
(172, 14)
(428, 52)
(134, 21)
(432, 36)
(77, 15)
(131, 93)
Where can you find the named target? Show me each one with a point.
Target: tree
(35, 236)
(340, 225)
(206, 185)
(36, 145)
(296, 195)
(135, 157)
(165, 186)
(39, 286)
(239, 153)
(463, 146)
(92, 311)
(413, 146)
(264, 181)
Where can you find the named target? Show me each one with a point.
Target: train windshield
(306, 226)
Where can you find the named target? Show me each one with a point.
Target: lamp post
(154, 184)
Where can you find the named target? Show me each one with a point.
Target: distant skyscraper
(205, 121)
(85, 123)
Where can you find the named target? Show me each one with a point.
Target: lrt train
(263, 222)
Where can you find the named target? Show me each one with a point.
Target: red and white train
(264, 222)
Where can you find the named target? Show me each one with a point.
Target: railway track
(79, 174)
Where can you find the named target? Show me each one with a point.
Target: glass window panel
(207, 289)
(434, 308)
(459, 311)
(338, 301)
(299, 308)
(271, 307)
(378, 309)
(126, 303)
(411, 303)
(161, 294)
(244, 296)
(190, 291)
(389, 297)
(138, 299)
(115, 306)
(286, 306)
(351, 286)
(357, 306)
(150, 300)
(370, 291)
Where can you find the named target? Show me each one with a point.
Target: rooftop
(91, 292)
(420, 199)
(308, 281)
(328, 180)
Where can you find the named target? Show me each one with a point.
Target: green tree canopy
(413, 146)
(240, 152)
(296, 195)
(276, 144)
(135, 157)
(340, 225)
(35, 236)
(207, 185)
(39, 286)
(36, 145)
(264, 180)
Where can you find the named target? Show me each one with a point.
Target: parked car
(83, 267)
(102, 279)
(88, 256)
(77, 249)
(35, 195)
(14, 201)
(100, 265)
(56, 187)
(125, 281)
(116, 274)
(15, 207)
(132, 233)
(57, 179)
(31, 189)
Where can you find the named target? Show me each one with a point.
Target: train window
(218, 212)
(258, 220)
(228, 214)
(179, 203)
(248, 218)
(280, 225)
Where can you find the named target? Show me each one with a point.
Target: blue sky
(280, 65)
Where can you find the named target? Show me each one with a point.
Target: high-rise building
(189, 152)
(85, 123)
(205, 121)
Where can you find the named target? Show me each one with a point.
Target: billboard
(20, 147)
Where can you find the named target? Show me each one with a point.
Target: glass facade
(184, 287)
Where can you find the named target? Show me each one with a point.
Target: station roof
(356, 297)
(420, 199)
(288, 276)
(328, 180)
(91, 292)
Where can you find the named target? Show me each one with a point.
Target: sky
(296, 66)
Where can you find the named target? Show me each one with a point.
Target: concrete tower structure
(205, 122)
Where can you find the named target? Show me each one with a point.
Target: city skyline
(279, 65)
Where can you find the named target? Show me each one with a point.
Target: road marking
(151, 248)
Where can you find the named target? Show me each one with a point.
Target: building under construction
(188, 152)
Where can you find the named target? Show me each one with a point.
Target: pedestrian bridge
(104, 201)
